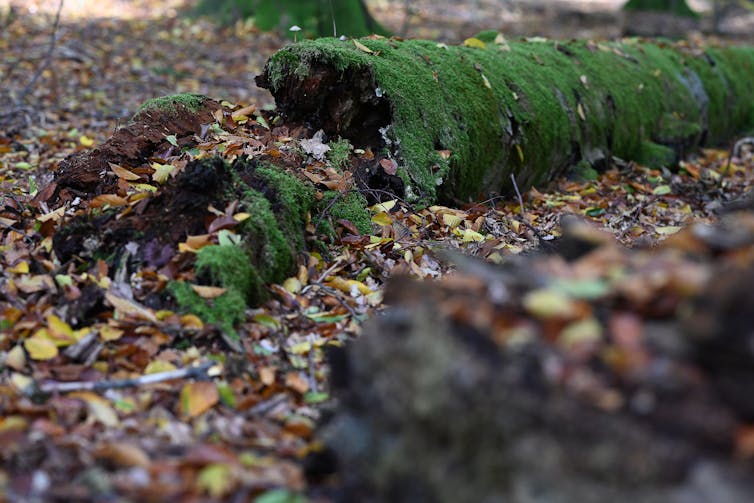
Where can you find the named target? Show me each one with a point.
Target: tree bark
(677, 7)
(461, 120)
(316, 18)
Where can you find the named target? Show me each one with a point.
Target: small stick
(198, 372)
(518, 193)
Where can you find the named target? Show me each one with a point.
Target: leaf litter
(246, 422)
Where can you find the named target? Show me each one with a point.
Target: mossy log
(460, 120)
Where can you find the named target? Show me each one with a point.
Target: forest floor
(240, 420)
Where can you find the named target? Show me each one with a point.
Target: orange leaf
(109, 199)
(123, 173)
(198, 397)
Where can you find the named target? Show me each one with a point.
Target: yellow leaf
(99, 408)
(40, 348)
(301, 348)
(451, 220)
(547, 303)
(158, 366)
(21, 382)
(580, 332)
(347, 285)
(469, 235)
(474, 42)
(86, 141)
(108, 333)
(59, 331)
(385, 206)
(130, 309)
(16, 358)
(191, 321)
(216, 480)
(123, 173)
(668, 230)
(208, 292)
(107, 199)
(580, 111)
(161, 172)
(292, 285)
(520, 152)
(240, 217)
(382, 218)
(486, 82)
(20, 268)
(144, 187)
(194, 243)
(362, 47)
(198, 397)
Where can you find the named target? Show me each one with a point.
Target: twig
(198, 372)
(48, 57)
(268, 405)
(518, 193)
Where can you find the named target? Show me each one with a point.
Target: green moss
(351, 206)
(192, 102)
(531, 108)
(229, 266)
(655, 155)
(339, 153)
(279, 204)
(677, 7)
(224, 311)
(314, 17)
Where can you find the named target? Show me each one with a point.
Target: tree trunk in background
(461, 120)
(677, 7)
(316, 18)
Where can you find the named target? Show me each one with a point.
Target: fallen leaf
(208, 292)
(216, 480)
(474, 42)
(130, 308)
(40, 348)
(123, 173)
(389, 166)
(123, 454)
(197, 398)
(99, 408)
(362, 47)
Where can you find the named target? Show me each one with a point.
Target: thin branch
(197, 372)
(518, 193)
(48, 57)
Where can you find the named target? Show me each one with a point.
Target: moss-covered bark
(315, 17)
(460, 120)
(677, 7)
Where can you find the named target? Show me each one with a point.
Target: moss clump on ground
(530, 108)
(279, 204)
(351, 206)
(190, 101)
(339, 153)
(224, 311)
(229, 267)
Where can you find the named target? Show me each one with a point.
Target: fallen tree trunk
(492, 385)
(461, 120)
